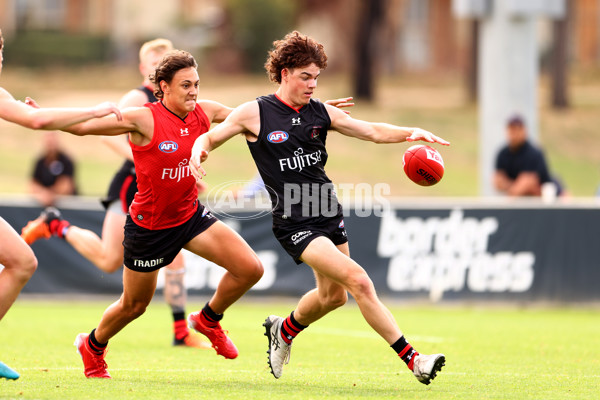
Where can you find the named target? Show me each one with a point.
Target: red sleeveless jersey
(167, 195)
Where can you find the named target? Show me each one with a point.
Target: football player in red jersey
(165, 215)
(106, 251)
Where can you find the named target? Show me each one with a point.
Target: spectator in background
(521, 168)
(53, 173)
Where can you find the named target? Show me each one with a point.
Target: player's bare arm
(137, 121)
(501, 181)
(216, 112)
(118, 144)
(50, 118)
(243, 119)
(342, 102)
(378, 132)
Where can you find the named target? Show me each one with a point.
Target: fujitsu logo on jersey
(300, 160)
(168, 146)
(182, 171)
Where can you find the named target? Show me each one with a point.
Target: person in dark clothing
(53, 173)
(521, 168)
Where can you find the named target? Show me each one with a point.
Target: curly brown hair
(295, 50)
(172, 62)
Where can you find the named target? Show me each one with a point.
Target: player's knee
(30, 266)
(134, 309)
(361, 285)
(254, 269)
(336, 299)
(112, 266)
(24, 266)
(137, 310)
(26, 269)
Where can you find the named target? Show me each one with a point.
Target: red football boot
(217, 336)
(39, 228)
(94, 364)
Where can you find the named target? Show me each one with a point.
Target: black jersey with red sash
(290, 155)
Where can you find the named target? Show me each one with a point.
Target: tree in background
(559, 60)
(257, 24)
(369, 20)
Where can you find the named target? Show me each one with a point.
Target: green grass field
(492, 353)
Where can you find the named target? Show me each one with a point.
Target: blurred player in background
(106, 252)
(17, 259)
(286, 134)
(53, 172)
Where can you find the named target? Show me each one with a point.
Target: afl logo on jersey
(278, 137)
(168, 146)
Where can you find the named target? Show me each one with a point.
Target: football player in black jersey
(286, 133)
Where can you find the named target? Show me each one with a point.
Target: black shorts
(122, 187)
(294, 236)
(148, 250)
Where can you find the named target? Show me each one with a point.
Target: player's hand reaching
(101, 110)
(106, 108)
(197, 158)
(342, 102)
(426, 136)
(31, 102)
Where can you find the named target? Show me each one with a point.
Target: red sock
(181, 329)
(59, 227)
(408, 355)
(405, 351)
(290, 328)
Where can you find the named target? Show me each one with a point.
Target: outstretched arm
(216, 112)
(118, 144)
(134, 120)
(342, 102)
(378, 132)
(50, 118)
(243, 119)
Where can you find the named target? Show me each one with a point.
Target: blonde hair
(156, 45)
